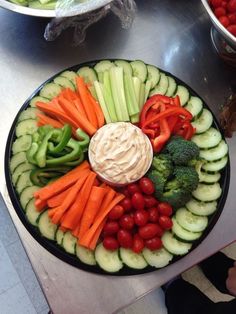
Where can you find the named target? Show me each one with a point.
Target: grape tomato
(153, 244)
(138, 243)
(165, 209)
(149, 201)
(153, 214)
(110, 243)
(116, 212)
(147, 186)
(148, 231)
(124, 238)
(165, 222)
(138, 200)
(111, 227)
(126, 222)
(133, 188)
(141, 217)
(126, 204)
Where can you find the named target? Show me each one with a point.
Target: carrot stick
(63, 182)
(75, 212)
(57, 113)
(57, 199)
(68, 94)
(57, 212)
(98, 111)
(83, 93)
(81, 121)
(91, 209)
(79, 106)
(40, 205)
(43, 119)
(96, 235)
(62, 229)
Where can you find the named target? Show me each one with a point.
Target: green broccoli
(181, 150)
(159, 181)
(163, 164)
(176, 198)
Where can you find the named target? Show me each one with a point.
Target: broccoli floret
(181, 150)
(159, 181)
(176, 198)
(163, 164)
(186, 177)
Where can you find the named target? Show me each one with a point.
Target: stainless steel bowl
(44, 13)
(228, 37)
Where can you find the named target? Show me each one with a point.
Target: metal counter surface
(173, 35)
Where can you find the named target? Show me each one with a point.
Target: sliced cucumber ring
(191, 222)
(194, 106)
(132, 259)
(88, 74)
(108, 260)
(69, 242)
(46, 227)
(153, 75)
(207, 192)
(209, 177)
(64, 82)
(173, 245)
(171, 86)
(21, 144)
(208, 139)
(139, 69)
(24, 127)
(204, 122)
(183, 94)
(59, 236)
(161, 87)
(35, 99)
(27, 194)
(31, 213)
(85, 255)
(215, 153)
(16, 160)
(215, 165)
(23, 181)
(29, 113)
(184, 234)
(201, 208)
(50, 90)
(71, 75)
(158, 258)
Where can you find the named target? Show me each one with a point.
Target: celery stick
(137, 84)
(132, 104)
(135, 118)
(148, 85)
(107, 93)
(142, 96)
(118, 93)
(93, 91)
(99, 92)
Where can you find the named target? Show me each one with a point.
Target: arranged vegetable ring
(146, 191)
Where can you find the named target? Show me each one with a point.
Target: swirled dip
(120, 153)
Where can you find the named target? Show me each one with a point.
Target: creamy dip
(120, 153)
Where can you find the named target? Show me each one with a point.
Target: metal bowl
(45, 13)
(228, 37)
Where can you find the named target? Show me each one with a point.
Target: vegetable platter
(117, 167)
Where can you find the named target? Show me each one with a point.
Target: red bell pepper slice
(160, 140)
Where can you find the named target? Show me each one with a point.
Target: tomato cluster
(138, 221)
(225, 11)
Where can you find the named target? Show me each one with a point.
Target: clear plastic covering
(80, 14)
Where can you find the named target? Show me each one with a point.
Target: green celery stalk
(142, 96)
(99, 92)
(131, 100)
(107, 93)
(137, 84)
(148, 86)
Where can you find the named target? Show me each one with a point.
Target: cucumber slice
(70, 75)
(153, 75)
(207, 192)
(201, 208)
(50, 90)
(23, 181)
(35, 99)
(161, 87)
(22, 167)
(158, 258)
(59, 236)
(139, 69)
(204, 122)
(174, 246)
(184, 234)
(208, 139)
(108, 260)
(69, 242)
(29, 113)
(85, 255)
(103, 66)
(31, 213)
(46, 227)
(27, 194)
(171, 86)
(88, 74)
(24, 127)
(216, 165)
(21, 144)
(215, 153)
(125, 65)
(147, 90)
(194, 106)
(64, 82)
(132, 259)
(209, 177)
(189, 221)
(16, 160)
(183, 94)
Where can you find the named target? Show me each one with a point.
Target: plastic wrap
(81, 14)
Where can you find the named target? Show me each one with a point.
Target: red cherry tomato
(124, 238)
(165, 209)
(111, 227)
(137, 200)
(110, 243)
(138, 244)
(216, 3)
(224, 4)
(232, 18)
(126, 192)
(146, 186)
(141, 217)
(153, 244)
(153, 214)
(149, 201)
(126, 222)
(165, 222)
(219, 12)
(126, 204)
(232, 29)
(116, 212)
(133, 188)
(224, 20)
(149, 231)
(231, 6)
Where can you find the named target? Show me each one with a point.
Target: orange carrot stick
(96, 235)
(83, 93)
(40, 205)
(75, 212)
(43, 119)
(57, 199)
(91, 209)
(98, 111)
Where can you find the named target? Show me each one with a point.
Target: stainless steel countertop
(174, 35)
